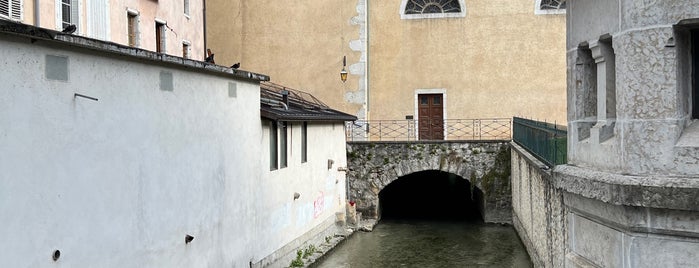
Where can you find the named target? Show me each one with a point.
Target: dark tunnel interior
(429, 195)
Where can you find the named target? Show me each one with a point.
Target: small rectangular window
(159, 37)
(186, 7)
(273, 163)
(304, 142)
(132, 21)
(283, 145)
(424, 100)
(695, 73)
(185, 49)
(65, 13)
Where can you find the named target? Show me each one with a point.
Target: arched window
(552, 4)
(550, 7)
(432, 6)
(425, 9)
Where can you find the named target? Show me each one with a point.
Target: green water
(422, 243)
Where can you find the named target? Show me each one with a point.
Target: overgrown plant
(309, 251)
(298, 262)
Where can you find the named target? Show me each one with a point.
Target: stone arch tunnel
(482, 166)
(430, 194)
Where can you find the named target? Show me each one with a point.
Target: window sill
(187, 16)
(690, 135)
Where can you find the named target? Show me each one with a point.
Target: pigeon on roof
(70, 29)
(210, 58)
(235, 66)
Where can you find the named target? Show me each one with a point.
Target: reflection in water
(399, 243)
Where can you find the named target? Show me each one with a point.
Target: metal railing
(545, 141)
(413, 130)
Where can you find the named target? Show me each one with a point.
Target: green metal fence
(544, 140)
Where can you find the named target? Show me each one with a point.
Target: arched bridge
(485, 164)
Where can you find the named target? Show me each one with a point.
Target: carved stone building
(631, 186)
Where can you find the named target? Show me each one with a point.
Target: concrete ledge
(283, 256)
(679, 193)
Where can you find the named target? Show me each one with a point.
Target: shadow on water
(429, 219)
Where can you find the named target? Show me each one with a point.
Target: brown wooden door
(430, 116)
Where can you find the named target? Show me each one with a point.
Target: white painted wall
(322, 190)
(120, 181)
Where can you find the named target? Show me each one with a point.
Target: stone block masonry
(374, 165)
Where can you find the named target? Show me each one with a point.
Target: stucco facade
(113, 155)
(493, 59)
(300, 45)
(107, 20)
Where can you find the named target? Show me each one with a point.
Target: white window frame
(163, 35)
(75, 11)
(404, 16)
(186, 9)
(12, 13)
(539, 11)
(188, 54)
(137, 26)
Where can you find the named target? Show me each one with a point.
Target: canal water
(424, 243)
(429, 219)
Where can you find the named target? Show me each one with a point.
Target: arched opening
(430, 195)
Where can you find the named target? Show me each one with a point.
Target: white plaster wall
(119, 182)
(322, 190)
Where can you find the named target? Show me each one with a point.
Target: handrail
(429, 130)
(545, 141)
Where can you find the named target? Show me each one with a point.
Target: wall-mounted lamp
(296, 196)
(188, 239)
(343, 73)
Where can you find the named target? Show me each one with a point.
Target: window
(11, 9)
(283, 145)
(686, 41)
(185, 49)
(273, 161)
(186, 8)
(132, 22)
(67, 13)
(586, 91)
(432, 6)
(550, 7)
(424, 9)
(304, 142)
(159, 36)
(694, 94)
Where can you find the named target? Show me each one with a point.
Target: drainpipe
(285, 98)
(37, 13)
(204, 16)
(271, 101)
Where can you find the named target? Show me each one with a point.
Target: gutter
(37, 21)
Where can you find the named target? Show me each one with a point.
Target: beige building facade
(170, 27)
(482, 59)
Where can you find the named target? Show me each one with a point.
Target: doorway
(430, 116)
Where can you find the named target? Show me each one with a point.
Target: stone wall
(373, 165)
(574, 217)
(537, 209)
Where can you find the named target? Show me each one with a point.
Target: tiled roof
(299, 106)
